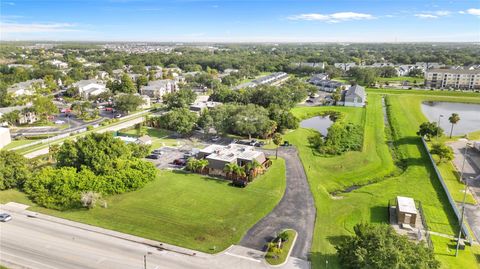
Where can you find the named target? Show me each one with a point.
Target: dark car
(4, 217)
(153, 156)
(239, 183)
(259, 144)
(180, 162)
(286, 144)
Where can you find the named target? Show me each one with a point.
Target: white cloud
(472, 11)
(12, 27)
(333, 18)
(426, 16)
(433, 15)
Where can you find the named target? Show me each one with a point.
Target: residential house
(91, 87)
(218, 156)
(103, 75)
(199, 106)
(355, 96)
(344, 66)
(25, 87)
(26, 66)
(323, 83)
(274, 78)
(59, 64)
(158, 88)
(312, 65)
(453, 78)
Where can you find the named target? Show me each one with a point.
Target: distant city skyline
(241, 21)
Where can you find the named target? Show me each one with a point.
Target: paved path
(296, 210)
(33, 240)
(472, 174)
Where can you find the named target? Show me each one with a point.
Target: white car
(59, 122)
(4, 217)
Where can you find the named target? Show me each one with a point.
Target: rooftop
(455, 71)
(406, 205)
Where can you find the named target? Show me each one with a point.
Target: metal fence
(465, 230)
(418, 205)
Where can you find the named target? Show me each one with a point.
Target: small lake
(469, 116)
(318, 123)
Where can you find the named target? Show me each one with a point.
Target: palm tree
(229, 168)
(191, 164)
(454, 118)
(202, 164)
(239, 171)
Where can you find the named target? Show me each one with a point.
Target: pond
(469, 116)
(319, 123)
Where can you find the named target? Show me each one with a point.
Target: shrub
(340, 138)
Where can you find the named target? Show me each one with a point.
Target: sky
(241, 20)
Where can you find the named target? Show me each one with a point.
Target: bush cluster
(341, 137)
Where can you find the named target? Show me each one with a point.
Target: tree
(337, 95)
(180, 120)
(179, 99)
(141, 81)
(416, 72)
(14, 170)
(128, 102)
(379, 246)
(277, 140)
(44, 107)
(429, 130)
(444, 152)
(11, 117)
(127, 85)
(454, 118)
(363, 76)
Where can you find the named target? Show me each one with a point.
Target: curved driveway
(295, 210)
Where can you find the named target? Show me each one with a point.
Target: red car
(180, 162)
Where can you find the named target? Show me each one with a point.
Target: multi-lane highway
(48, 243)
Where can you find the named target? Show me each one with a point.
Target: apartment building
(452, 78)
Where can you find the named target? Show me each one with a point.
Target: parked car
(157, 151)
(153, 156)
(180, 162)
(4, 217)
(259, 144)
(239, 183)
(118, 116)
(59, 122)
(286, 144)
(309, 101)
(216, 138)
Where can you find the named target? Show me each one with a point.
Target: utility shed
(406, 211)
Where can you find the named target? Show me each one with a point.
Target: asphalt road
(296, 210)
(46, 242)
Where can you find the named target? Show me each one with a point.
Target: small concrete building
(218, 156)
(5, 138)
(406, 211)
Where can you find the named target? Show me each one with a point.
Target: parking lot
(168, 155)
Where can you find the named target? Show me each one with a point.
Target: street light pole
(438, 125)
(464, 198)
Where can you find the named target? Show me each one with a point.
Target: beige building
(4, 137)
(452, 78)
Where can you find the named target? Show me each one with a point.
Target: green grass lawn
(184, 209)
(20, 142)
(336, 216)
(272, 258)
(401, 79)
(159, 137)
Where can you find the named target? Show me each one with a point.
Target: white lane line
(243, 257)
(25, 259)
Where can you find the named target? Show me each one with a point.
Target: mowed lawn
(336, 216)
(184, 209)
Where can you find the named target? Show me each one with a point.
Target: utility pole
(464, 198)
(145, 261)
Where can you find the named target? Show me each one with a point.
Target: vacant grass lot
(336, 216)
(184, 209)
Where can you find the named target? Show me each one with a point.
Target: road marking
(26, 259)
(242, 257)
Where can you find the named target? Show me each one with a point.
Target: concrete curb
(289, 252)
